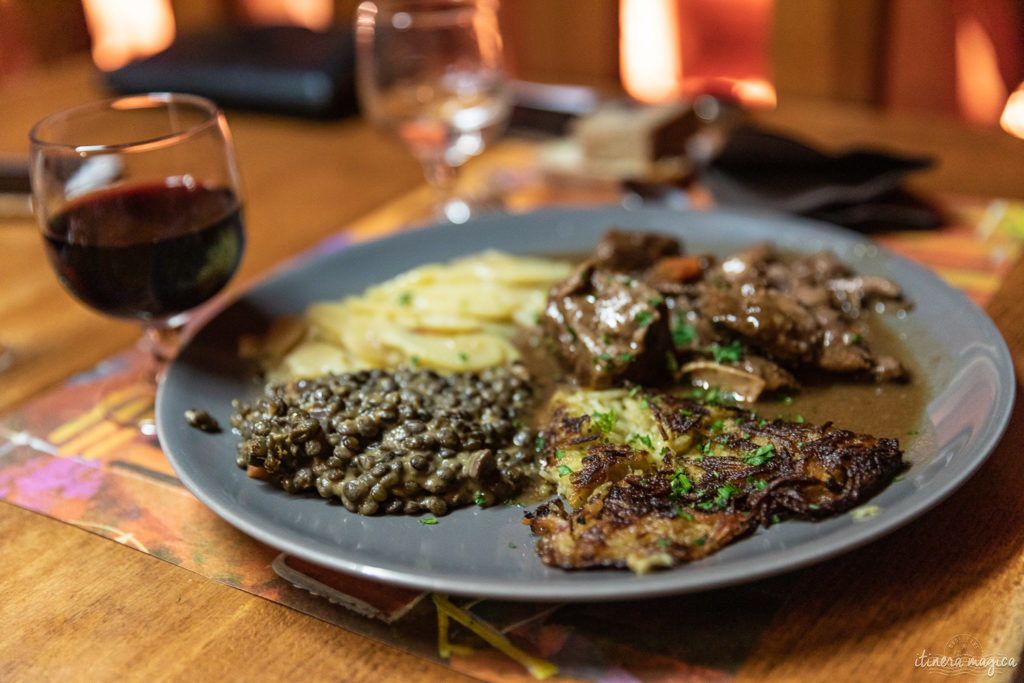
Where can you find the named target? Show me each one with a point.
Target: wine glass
(139, 202)
(430, 71)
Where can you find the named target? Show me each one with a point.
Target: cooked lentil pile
(404, 441)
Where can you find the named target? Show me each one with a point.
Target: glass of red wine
(139, 202)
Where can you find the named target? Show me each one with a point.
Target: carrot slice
(678, 268)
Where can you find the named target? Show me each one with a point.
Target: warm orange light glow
(649, 56)
(1012, 119)
(677, 49)
(980, 91)
(123, 30)
(754, 92)
(312, 14)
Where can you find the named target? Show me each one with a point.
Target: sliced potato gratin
(446, 316)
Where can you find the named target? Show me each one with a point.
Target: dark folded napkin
(859, 189)
(278, 69)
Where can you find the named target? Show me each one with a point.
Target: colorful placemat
(77, 455)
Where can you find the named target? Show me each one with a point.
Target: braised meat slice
(670, 479)
(609, 327)
(799, 314)
(633, 252)
(639, 311)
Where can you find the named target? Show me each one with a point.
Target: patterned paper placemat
(76, 454)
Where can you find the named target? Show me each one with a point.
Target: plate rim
(663, 583)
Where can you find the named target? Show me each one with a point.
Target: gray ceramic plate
(489, 552)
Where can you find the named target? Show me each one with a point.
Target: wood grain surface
(77, 606)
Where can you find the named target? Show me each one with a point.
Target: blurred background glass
(431, 72)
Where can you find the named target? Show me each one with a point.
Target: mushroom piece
(743, 385)
(481, 465)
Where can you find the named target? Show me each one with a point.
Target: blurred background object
(681, 49)
(124, 30)
(960, 58)
(432, 74)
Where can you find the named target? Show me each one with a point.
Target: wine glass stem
(441, 176)
(162, 339)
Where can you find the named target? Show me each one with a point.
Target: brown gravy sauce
(888, 409)
(893, 410)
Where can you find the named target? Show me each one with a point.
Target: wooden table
(75, 605)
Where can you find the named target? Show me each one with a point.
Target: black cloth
(859, 189)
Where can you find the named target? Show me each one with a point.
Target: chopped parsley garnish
(645, 440)
(572, 332)
(730, 353)
(605, 422)
(787, 400)
(538, 445)
(711, 396)
(405, 298)
(716, 426)
(643, 318)
(634, 391)
(813, 506)
(479, 498)
(559, 454)
(663, 542)
(775, 519)
(680, 483)
(762, 422)
(537, 317)
(671, 364)
(563, 470)
(654, 302)
(899, 477)
(428, 520)
(512, 545)
(414, 361)
(680, 512)
(701, 541)
(759, 484)
(463, 356)
(627, 357)
(724, 493)
(604, 356)
(858, 338)
(683, 333)
(605, 339)
(760, 456)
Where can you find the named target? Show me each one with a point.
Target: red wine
(147, 251)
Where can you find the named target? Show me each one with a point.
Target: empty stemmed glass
(138, 199)
(431, 72)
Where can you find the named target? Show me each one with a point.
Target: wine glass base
(458, 210)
